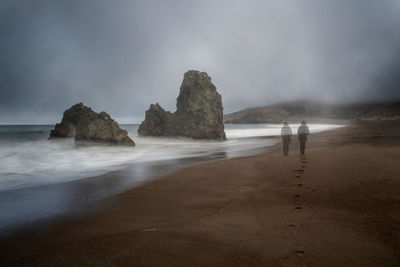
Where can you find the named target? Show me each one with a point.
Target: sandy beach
(337, 206)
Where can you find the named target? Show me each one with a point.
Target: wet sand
(25, 207)
(338, 206)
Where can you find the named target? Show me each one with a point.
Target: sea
(42, 178)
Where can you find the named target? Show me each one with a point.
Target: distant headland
(312, 111)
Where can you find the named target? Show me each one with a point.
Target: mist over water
(29, 159)
(42, 179)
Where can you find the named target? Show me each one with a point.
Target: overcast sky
(121, 56)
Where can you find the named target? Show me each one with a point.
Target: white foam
(35, 162)
(254, 130)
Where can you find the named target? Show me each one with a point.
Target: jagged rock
(86, 125)
(199, 112)
(157, 121)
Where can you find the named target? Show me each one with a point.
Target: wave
(29, 159)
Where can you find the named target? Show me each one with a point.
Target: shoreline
(119, 181)
(81, 197)
(244, 211)
(93, 207)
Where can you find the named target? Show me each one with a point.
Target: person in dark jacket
(303, 133)
(286, 134)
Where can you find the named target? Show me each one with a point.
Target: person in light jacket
(303, 133)
(286, 134)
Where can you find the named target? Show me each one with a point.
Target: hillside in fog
(311, 111)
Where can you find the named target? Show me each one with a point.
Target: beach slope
(337, 206)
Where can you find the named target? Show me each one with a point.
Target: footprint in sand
(292, 229)
(300, 253)
(303, 161)
(297, 195)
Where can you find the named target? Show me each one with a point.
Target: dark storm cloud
(120, 56)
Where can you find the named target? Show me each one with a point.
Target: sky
(121, 56)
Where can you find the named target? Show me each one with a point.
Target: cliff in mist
(311, 111)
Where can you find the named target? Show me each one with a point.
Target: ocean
(40, 178)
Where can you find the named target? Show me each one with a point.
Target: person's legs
(302, 146)
(285, 148)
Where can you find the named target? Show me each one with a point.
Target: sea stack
(199, 113)
(88, 126)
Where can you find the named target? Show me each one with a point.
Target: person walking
(303, 133)
(286, 134)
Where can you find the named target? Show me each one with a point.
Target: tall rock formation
(199, 112)
(86, 125)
